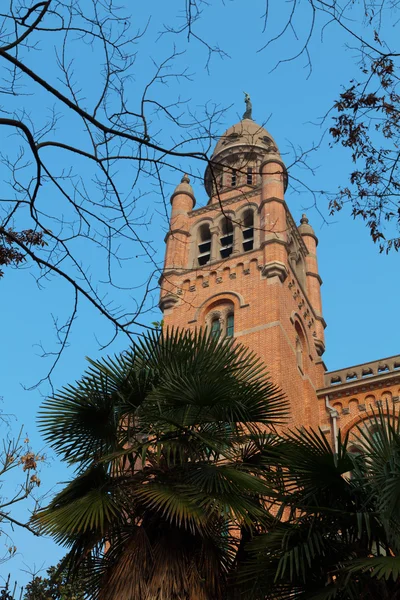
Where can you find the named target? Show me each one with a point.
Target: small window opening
(233, 178)
(230, 325)
(299, 353)
(248, 231)
(204, 247)
(221, 181)
(215, 328)
(250, 176)
(226, 239)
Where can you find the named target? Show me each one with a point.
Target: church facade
(242, 267)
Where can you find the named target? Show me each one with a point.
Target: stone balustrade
(363, 372)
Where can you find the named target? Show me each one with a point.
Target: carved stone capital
(167, 302)
(275, 269)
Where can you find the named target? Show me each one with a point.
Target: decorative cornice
(216, 159)
(319, 318)
(168, 272)
(173, 231)
(221, 202)
(273, 158)
(183, 193)
(167, 302)
(356, 386)
(273, 240)
(364, 372)
(275, 269)
(232, 262)
(320, 346)
(272, 199)
(309, 234)
(316, 275)
(174, 271)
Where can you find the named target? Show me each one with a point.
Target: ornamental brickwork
(350, 395)
(241, 266)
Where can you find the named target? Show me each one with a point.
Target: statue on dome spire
(249, 107)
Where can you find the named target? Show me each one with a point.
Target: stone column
(215, 243)
(237, 238)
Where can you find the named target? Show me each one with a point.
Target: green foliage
(340, 532)
(166, 441)
(181, 492)
(56, 586)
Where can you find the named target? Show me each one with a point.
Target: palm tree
(337, 528)
(165, 441)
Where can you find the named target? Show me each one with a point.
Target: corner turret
(183, 189)
(183, 201)
(313, 279)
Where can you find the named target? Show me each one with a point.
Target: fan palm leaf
(166, 441)
(338, 535)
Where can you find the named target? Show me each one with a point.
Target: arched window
(233, 178)
(248, 231)
(249, 176)
(299, 353)
(301, 348)
(204, 244)
(220, 320)
(215, 327)
(226, 238)
(230, 325)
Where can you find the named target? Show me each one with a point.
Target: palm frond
(386, 567)
(169, 442)
(86, 504)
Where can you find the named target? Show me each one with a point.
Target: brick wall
(274, 289)
(272, 311)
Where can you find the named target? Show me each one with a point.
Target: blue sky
(360, 287)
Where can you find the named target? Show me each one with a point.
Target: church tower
(242, 267)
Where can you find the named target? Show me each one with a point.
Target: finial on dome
(249, 107)
(304, 220)
(185, 178)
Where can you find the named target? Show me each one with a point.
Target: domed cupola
(238, 155)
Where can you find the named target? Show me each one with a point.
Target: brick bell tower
(243, 268)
